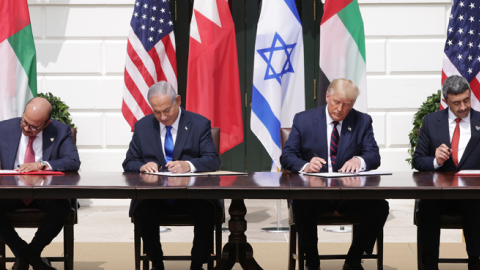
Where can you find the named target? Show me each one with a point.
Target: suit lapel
(156, 141)
(184, 128)
(49, 133)
(442, 128)
(348, 127)
(321, 138)
(14, 139)
(475, 136)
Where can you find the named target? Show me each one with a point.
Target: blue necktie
(168, 145)
(334, 139)
(169, 152)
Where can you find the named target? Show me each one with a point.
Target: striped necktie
(334, 139)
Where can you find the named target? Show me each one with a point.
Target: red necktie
(334, 138)
(29, 158)
(455, 140)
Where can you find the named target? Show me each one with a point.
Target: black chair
(447, 221)
(324, 219)
(32, 218)
(184, 220)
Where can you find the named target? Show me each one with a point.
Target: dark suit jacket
(61, 154)
(434, 132)
(193, 143)
(309, 136)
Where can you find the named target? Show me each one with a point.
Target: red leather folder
(12, 172)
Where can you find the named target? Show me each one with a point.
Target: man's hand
(29, 167)
(29, 180)
(178, 166)
(149, 178)
(351, 166)
(178, 181)
(316, 181)
(149, 167)
(442, 154)
(350, 181)
(316, 164)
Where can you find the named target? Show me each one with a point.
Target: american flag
(462, 48)
(150, 56)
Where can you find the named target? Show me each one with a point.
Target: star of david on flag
(268, 53)
(278, 80)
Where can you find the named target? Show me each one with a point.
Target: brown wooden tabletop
(259, 185)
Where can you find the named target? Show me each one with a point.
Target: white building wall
(81, 50)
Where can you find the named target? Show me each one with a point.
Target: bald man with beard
(30, 143)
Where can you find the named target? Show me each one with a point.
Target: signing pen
(319, 157)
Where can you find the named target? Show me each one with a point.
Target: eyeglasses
(32, 128)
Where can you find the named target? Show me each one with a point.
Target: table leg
(237, 249)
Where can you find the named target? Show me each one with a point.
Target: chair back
(284, 133)
(216, 138)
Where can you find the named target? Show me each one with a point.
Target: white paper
(170, 174)
(188, 174)
(468, 172)
(337, 174)
(8, 172)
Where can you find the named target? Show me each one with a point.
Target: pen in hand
(167, 168)
(323, 165)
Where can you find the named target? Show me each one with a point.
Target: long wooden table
(261, 185)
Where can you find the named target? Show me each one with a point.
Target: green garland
(431, 105)
(60, 109)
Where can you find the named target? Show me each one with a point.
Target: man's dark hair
(454, 85)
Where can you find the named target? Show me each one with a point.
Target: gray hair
(454, 85)
(162, 88)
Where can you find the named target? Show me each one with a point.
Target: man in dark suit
(179, 141)
(29, 143)
(448, 141)
(335, 138)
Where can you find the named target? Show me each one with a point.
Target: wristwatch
(44, 164)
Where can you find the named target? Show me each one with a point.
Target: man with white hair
(335, 138)
(178, 141)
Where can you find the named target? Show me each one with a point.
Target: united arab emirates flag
(342, 48)
(18, 70)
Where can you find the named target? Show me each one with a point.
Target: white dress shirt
(465, 134)
(330, 126)
(37, 148)
(174, 132)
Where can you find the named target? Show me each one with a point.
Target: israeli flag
(278, 81)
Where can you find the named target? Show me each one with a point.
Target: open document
(338, 174)
(170, 174)
(468, 173)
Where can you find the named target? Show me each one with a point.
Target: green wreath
(431, 105)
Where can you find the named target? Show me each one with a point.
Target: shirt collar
(452, 117)
(329, 119)
(39, 136)
(176, 123)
